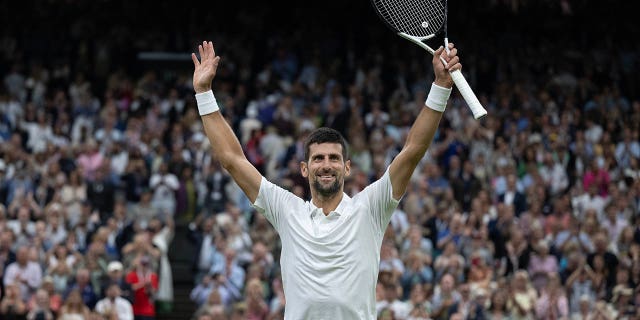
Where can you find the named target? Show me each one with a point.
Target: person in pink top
(90, 160)
(552, 303)
(542, 264)
(598, 175)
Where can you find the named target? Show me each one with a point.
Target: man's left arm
(425, 125)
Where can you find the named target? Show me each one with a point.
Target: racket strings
(419, 18)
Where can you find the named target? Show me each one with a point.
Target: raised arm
(225, 145)
(426, 123)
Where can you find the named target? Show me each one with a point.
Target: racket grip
(468, 95)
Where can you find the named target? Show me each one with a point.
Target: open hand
(205, 69)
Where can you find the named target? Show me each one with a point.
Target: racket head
(417, 18)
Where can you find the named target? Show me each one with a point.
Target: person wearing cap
(115, 276)
(622, 301)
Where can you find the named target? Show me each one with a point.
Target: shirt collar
(315, 211)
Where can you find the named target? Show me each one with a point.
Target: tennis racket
(420, 20)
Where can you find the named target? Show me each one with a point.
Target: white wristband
(206, 103)
(437, 98)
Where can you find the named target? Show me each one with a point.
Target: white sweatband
(206, 103)
(437, 98)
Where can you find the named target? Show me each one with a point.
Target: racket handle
(468, 95)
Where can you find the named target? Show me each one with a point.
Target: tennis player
(331, 244)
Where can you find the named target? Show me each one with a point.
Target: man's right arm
(225, 145)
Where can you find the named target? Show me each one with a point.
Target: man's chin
(327, 191)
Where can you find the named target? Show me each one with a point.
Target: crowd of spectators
(532, 213)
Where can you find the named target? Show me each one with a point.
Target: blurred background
(108, 188)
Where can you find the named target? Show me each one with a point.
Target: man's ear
(304, 169)
(347, 168)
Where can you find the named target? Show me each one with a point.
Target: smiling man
(331, 244)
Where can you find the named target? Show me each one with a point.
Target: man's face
(113, 291)
(115, 274)
(326, 168)
(22, 256)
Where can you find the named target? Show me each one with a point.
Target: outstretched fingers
(201, 51)
(212, 51)
(196, 63)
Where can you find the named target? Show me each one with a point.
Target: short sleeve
(275, 203)
(379, 198)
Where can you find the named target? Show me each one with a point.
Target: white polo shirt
(329, 263)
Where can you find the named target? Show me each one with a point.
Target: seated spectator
(24, 273)
(72, 195)
(139, 247)
(115, 273)
(513, 196)
(213, 300)
(602, 260)
(96, 263)
(84, 287)
(55, 299)
(278, 302)
(417, 271)
(415, 240)
(453, 234)
(523, 296)
(256, 306)
(61, 276)
(585, 309)
(12, 306)
(392, 301)
(74, 308)
(390, 261)
(573, 235)
(622, 301)
(419, 305)
(41, 309)
(542, 264)
(238, 311)
(201, 293)
(581, 283)
(113, 306)
(552, 303)
(444, 297)
(164, 185)
(142, 212)
(498, 306)
(480, 273)
(23, 228)
(262, 232)
(479, 306)
(60, 254)
(448, 260)
(464, 305)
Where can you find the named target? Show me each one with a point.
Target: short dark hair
(325, 135)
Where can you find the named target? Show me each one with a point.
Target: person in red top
(144, 283)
